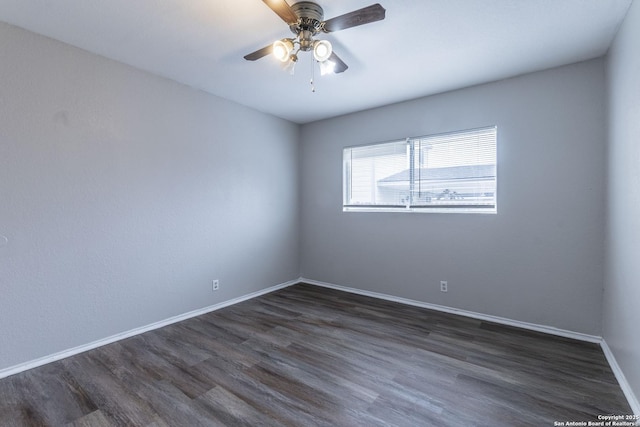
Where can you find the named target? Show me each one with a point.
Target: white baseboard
(622, 380)
(501, 320)
(99, 343)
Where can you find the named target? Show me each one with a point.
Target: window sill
(464, 210)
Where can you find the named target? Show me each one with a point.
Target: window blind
(452, 171)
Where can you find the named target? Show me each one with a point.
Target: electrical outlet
(443, 286)
(216, 284)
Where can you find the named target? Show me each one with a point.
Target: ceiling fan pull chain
(313, 87)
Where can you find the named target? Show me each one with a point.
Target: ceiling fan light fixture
(282, 49)
(327, 67)
(322, 50)
(290, 65)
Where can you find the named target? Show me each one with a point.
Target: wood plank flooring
(310, 356)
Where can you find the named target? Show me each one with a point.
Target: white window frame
(485, 203)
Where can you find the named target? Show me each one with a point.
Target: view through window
(447, 172)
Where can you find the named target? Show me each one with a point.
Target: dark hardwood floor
(310, 356)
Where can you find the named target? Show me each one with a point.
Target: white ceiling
(423, 47)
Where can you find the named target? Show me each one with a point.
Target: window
(452, 172)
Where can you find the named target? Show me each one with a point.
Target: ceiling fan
(306, 20)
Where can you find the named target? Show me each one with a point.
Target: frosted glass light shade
(282, 49)
(327, 67)
(322, 50)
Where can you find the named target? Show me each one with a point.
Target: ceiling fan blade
(340, 66)
(259, 53)
(283, 10)
(368, 14)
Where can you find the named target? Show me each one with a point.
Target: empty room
(327, 213)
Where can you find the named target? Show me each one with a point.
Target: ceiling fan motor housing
(310, 18)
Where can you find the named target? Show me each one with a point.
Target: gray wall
(621, 319)
(122, 195)
(539, 260)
